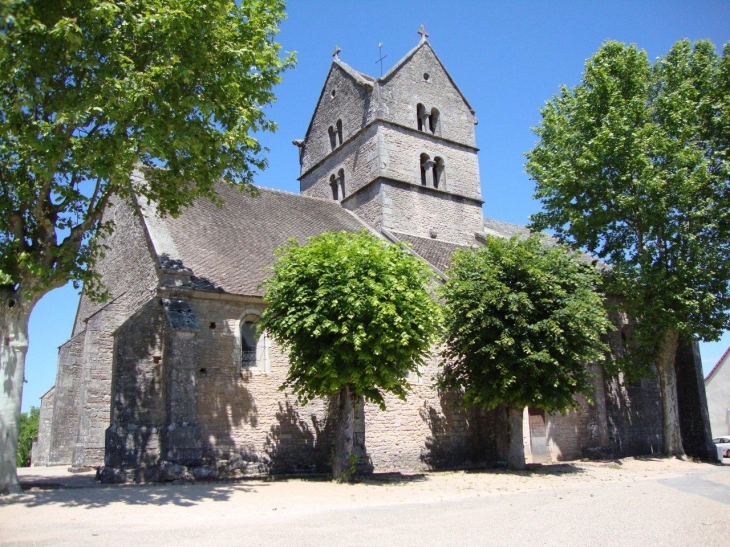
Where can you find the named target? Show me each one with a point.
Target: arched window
(420, 115)
(339, 132)
(333, 137)
(433, 122)
(253, 343)
(438, 172)
(341, 180)
(425, 164)
(333, 185)
(249, 342)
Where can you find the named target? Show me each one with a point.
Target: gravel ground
(630, 501)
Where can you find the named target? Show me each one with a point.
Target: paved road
(687, 504)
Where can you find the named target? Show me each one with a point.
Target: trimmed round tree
(355, 316)
(522, 322)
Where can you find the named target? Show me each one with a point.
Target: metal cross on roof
(380, 48)
(336, 53)
(422, 32)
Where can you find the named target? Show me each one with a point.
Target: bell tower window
(341, 180)
(438, 172)
(333, 137)
(421, 116)
(334, 186)
(433, 122)
(425, 169)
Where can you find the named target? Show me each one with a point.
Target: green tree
(28, 432)
(633, 165)
(522, 321)
(355, 316)
(89, 89)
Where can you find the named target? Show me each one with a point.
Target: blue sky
(508, 58)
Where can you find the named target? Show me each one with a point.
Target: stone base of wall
(167, 471)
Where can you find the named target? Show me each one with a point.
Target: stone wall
(64, 424)
(582, 432)
(359, 160)
(130, 274)
(139, 380)
(400, 160)
(416, 210)
(407, 86)
(342, 99)
(42, 445)
(694, 417)
(431, 430)
(247, 423)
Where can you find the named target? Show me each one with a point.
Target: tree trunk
(668, 385)
(342, 464)
(14, 318)
(516, 447)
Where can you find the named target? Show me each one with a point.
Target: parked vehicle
(723, 447)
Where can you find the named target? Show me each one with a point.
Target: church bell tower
(399, 151)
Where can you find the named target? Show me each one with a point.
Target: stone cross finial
(423, 33)
(336, 53)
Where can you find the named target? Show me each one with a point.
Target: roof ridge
(356, 74)
(297, 194)
(717, 365)
(431, 239)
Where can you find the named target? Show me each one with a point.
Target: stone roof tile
(230, 248)
(435, 252)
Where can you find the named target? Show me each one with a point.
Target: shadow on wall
(138, 393)
(230, 405)
(633, 411)
(296, 445)
(461, 437)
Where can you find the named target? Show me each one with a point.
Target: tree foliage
(28, 432)
(91, 88)
(522, 322)
(352, 311)
(633, 165)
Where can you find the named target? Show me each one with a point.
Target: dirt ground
(654, 501)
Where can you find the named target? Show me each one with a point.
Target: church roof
(229, 248)
(435, 252)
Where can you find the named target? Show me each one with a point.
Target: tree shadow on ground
(532, 469)
(183, 495)
(389, 479)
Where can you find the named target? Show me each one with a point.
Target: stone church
(169, 378)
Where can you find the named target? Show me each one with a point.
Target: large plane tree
(633, 165)
(89, 89)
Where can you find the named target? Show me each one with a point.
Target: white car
(723, 447)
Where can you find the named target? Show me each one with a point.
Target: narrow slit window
(339, 132)
(420, 115)
(333, 185)
(433, 122)
(424, 169)
(341, 180)
(438, 172)
(333, 137)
